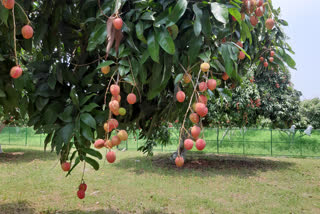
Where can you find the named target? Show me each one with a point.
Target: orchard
(89, 73)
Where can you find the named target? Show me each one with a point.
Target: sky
(303, 31)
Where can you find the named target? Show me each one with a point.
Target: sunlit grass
(32, 182)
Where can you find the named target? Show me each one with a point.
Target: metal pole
(40, 139)
(271, 142)
(26, 136)
(243, 146)
(218, 140)
(126, 144)
(162, 147)
(300, 147)
(9, 134)
(137, 142)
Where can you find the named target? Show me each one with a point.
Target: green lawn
(32, 182)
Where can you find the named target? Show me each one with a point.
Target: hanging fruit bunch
(197, 108)
(26, 31)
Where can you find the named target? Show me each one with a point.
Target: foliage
(63, 91)
(310, 112)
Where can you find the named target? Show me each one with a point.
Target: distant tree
(310, 112)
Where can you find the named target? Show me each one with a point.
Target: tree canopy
(161, 44)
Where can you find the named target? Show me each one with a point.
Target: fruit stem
(186, 72)
(105, 96)
(270, 11)
(23, 12)
(134, 80)
(185, 116)
(14, 37)
(84, 167)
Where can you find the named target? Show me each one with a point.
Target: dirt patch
(221, 162)
(10, 156)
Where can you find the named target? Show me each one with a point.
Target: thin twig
(134, 80)
(189, 75)
(81, 65)
(23, 12)
(101, 11)
(14, 36)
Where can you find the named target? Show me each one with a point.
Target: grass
(32, 182)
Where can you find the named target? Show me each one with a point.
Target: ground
(33, 182)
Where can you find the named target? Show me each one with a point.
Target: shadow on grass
(23, 207)
(18, 207)
(198, 164)
(17, 155)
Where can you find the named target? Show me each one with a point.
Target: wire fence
(262, 142)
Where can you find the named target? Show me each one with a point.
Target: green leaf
(226, 55)
(87, 119)
(97, 37)
(48, 140)
(86, 132)
(178, 11)
(235, 13)
(220, 12)
(2, 94)
(86, 98)
(194, 49)
(52, 81)
(245, 32)
(123, 71)
(89, 107)
(76, 162)
(66, 132)
(288, 59)
(153, 47)
(92, 162)
(283, 22)
(106, 63)
(206, 24)
(241, 49)
(74, 97)
(92, 152)
(4, 14)
(178, 78)
(165, 40)
(66, 115)
(148, 16)
(197, 23)
(41, 102)
(139, 32)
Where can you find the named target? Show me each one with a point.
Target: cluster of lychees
(26, 31)
(112, 124)
(199, 109)
(255, 9)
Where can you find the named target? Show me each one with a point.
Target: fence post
(127, 144)
(9, 134)
(218, 140)
(26, 143)
(243, 141)
(137, 141)
(162, 147)
(300, 147)
(40, 139)
(271, 141)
